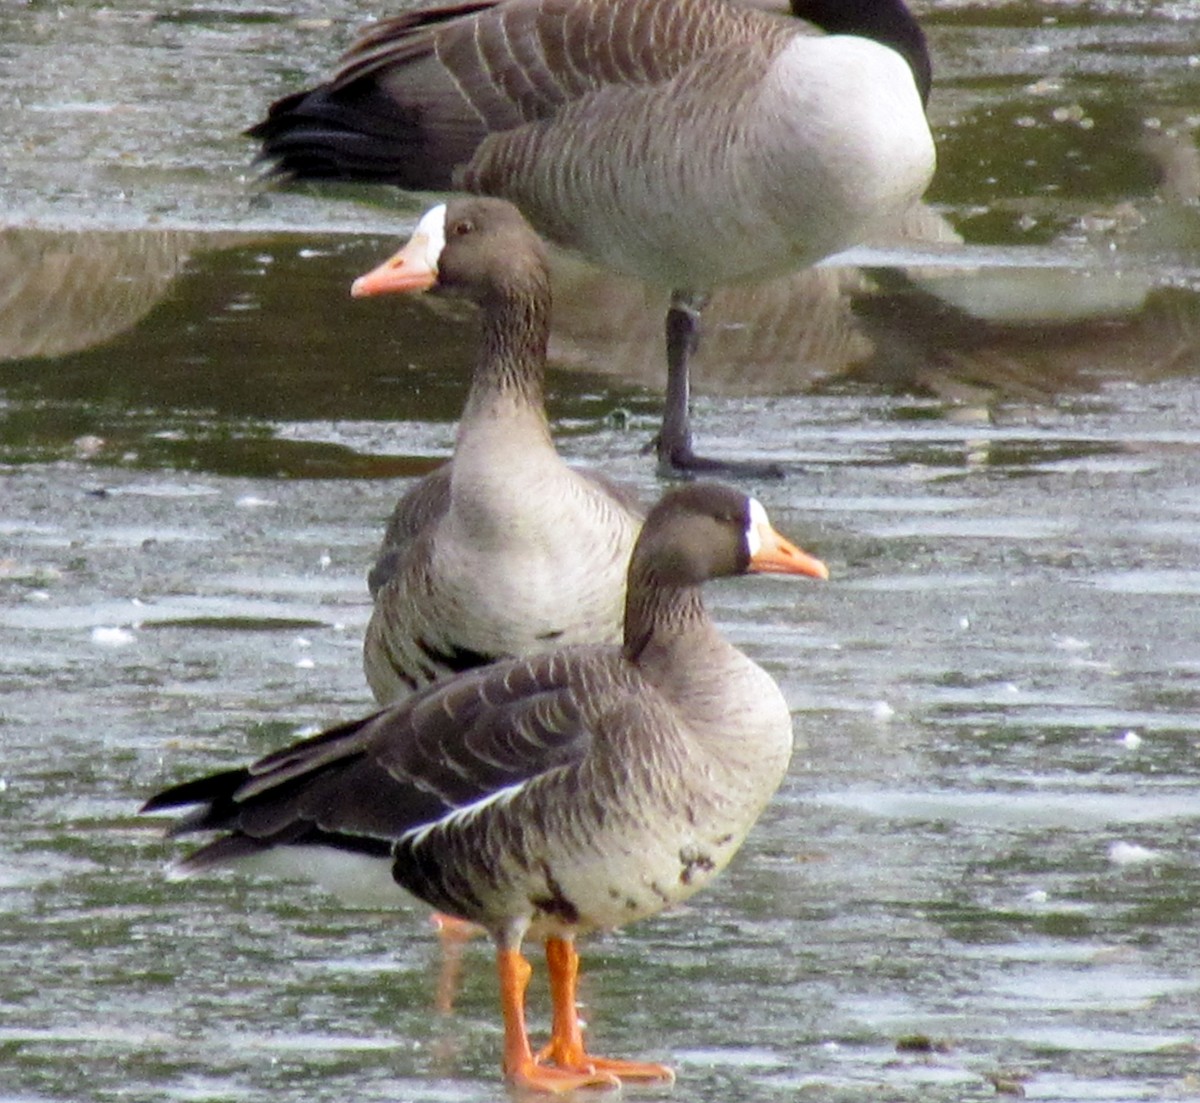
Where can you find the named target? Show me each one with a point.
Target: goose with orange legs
(546, 797)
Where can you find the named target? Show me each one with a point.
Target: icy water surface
(982, 876)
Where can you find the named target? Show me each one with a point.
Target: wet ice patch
(1131, 854)
(112, 637)
(882, 712)
(1070, 643)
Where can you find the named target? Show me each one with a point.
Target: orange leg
(566, 1048)
(520, 1067)
(453, 935)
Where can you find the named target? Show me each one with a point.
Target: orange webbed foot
(536, 1077)
(579, 1060)
(566, 1049)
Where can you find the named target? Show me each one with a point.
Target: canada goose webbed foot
(673, 444)
(677, 460)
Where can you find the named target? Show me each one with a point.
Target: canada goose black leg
(674, 441)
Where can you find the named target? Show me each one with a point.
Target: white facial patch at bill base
(758, 523)
(431, 231)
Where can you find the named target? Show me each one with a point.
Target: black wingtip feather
(201, 790)
(223, 851)
(350, 133)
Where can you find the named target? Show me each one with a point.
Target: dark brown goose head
(695, 533)
(707, 530)
(476, 247)
(481, 249)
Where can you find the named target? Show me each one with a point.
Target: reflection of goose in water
(61, 292)
(1118, 300)
(776, 337)
(962, 333)
(960, 357)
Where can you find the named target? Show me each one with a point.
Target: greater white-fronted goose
(550, 796)
(505, 550)
(689, 143)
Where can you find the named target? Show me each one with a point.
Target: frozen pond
(982, 876)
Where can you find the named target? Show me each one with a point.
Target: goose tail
(353, 133)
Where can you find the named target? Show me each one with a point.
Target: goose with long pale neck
(550, 796)
(505, 550)
(689, 143)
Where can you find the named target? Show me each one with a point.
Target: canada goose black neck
(885, 21)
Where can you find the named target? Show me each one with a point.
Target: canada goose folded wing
(432, 85)
(521, 59)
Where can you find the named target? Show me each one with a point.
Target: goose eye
(462, 226)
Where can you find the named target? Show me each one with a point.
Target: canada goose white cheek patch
(432, 230)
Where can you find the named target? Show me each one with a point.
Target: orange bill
(407, 271)
(776, 554)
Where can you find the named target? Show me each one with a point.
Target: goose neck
(660, 616)
(888, 22)
(512, 354)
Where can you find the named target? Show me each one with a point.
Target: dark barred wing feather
(364, 785)
(418, 94)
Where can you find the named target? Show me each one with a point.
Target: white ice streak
(1131, 854)
(112, 637)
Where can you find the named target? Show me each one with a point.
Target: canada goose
(505, 550)
(689, 143)
(547, 796)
